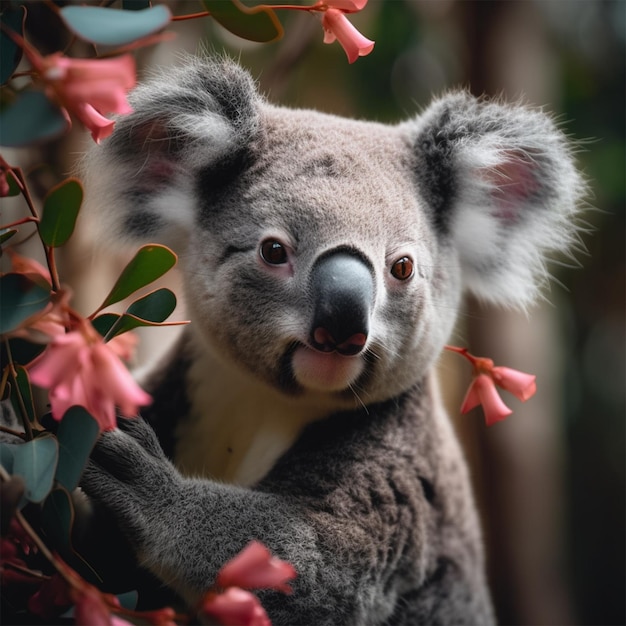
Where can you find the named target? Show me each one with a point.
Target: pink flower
(337, 27)
(234, 607)
(88, 88)
(255, 568)
(483, 390)
(521, 385)
(78, 368)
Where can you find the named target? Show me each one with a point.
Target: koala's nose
(343, 292)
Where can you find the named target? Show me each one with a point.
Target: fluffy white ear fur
(141, 181)
(506, 189)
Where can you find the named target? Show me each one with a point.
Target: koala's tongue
(325, 371)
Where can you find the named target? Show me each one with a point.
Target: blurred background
(550, 480)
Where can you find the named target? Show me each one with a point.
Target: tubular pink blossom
(337, 26)
(521, 385)
(235, 607)
(100, 126)
(255, 568)
(114, 377)
(483, 391)
(88, 88)
(78, 368)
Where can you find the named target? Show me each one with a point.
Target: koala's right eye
(273, 252)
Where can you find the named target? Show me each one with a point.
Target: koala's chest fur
(237, 428)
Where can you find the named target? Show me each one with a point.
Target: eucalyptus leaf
(20, 298)
(103, 323)
(258, 24)
(77, 435)
(150, 263)
(60, 210)
(10, 53)
(14, 188)
(57, 520)
(150, 310)
(31, 118)
(22, 390)
(114, 27)
(22, 351)
(35, 461)
(5, 235)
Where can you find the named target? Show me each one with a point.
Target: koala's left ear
(501, 186)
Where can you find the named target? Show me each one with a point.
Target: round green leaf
(10, 53)
(60, 210)
(77, 435)
(29, 119)
(35, 461)
(20, 298)
(114, 27)
(150, 263)
(252, 23)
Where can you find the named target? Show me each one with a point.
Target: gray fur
(355, 475)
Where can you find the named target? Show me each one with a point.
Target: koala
(324, 262)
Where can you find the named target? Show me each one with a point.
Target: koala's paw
(130, 476)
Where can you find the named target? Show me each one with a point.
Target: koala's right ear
(140, 183)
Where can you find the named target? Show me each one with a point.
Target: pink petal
(352, 41)
(521, 385)
(235, 607)
(90, 608)
(255, 568)
(494, 408)
(471, 400)
(60, 361)
(100, 126)
(116, 382)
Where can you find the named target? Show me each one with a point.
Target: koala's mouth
(325, 371)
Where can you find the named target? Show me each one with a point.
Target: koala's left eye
(273, 252)
(402, 269)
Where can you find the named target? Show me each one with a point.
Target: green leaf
(20, 298)
(24, 391)
(10, 53)
(14, 188)
(35, 461)
(77, 435)
(22, 351)
(5, 235)
(114, 27)
(150, 263)
(253, 23)
(128, 600)
(135, 5)
(57, 520)
(60, 210)
(30, 118)
(150, 310)
(103, 323)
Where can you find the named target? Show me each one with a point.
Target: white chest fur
(238, 427)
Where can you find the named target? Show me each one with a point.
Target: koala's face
(318, 269)
(328, 256)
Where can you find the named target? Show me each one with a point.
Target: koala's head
(328, 256)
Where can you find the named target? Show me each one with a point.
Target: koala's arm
(367, 536)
